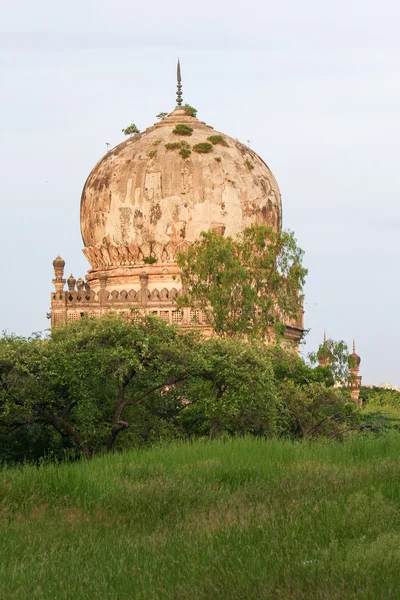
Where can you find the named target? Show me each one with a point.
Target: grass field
(242, 519)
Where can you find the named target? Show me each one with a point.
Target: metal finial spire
(179, 86)
(354, 347)
(324, 336)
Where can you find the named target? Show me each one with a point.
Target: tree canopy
(250, 285)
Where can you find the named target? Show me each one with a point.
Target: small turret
(324, 353)
(71, 281)
(58, 264)
(355, 379)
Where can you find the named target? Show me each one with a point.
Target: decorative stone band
(133, 296)
(109, 255)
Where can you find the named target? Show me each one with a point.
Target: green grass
(242, 519)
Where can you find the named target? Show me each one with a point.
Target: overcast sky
(314, 85)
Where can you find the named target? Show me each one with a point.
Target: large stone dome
(156, 189)
(150, 198)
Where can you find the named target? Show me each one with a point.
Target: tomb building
(150, 197)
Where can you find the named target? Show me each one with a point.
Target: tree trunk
(76, 436)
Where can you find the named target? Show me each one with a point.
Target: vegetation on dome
(217, 158)
(152, 153)
(173, 145)
(161, 115)
(130, 130)
(190, 110)
(183, 147)
(185, 152)
(248, 164)
(182, 129)
(218, 139)
(150, 260)
(203, 148)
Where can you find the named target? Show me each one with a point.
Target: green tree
(250, 285)
(161, 115)
(314, 410)
(130, 130)
(232, 390)
(334, 361)
(86, 377)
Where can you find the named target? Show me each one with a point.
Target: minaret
(355, 380)
(323, 354)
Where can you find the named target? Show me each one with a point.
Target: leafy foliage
(248, 164)
(173, 145)
(247, 286)
(182, 129)
(131, 129)
(183, 146)
(86, 377)
(185, 152)
(313, 410)
(190, 110)
(203, 147)
(161, 115)
(233, 391)
(335, 359)
(100, 385)
(218, 139)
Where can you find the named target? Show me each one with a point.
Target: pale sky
(314, 85)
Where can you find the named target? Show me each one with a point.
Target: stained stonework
(143, 192)
(150, 197)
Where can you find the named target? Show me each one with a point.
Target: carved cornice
(109, 255)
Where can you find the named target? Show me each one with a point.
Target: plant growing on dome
(203, 148)
(152, 153)
(249, 285)
(248, 164)
(184, 147)
(190, 110)
(150, 260)
(131, 129)
(182, 129)
(185, 152)
(173, 146)
(161, 115)
(218, 139)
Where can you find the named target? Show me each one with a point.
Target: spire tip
(179, 86)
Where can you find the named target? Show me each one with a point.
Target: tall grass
(240, 519)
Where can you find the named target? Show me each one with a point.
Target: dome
(162, 187)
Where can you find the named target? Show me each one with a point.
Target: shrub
(182, 129)
(190, 110)
(152, 153)
(248, 164)
(217, 139)
(150, 260)
(203, 148)
(131, 129)
(185, 152)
